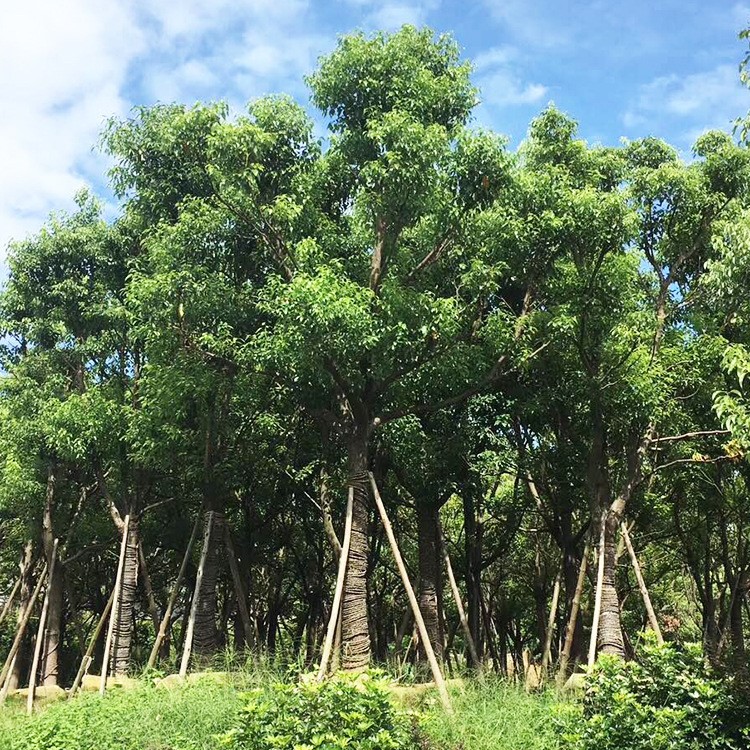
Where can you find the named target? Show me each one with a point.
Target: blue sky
(621, 68)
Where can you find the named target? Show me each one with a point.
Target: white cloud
(67, 66)
(393, 14)
(62, 67)
(504, 89)
(500, 84)
(689, 104)
(532, 22)
(494, 57)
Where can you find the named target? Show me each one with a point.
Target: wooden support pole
(41, 630)
(173, 596)
(11, 598)
(575, 607)
(437, 675)
(5, 674)
(457, 599)
(115, 609)
(88, 656)
(187, 646)
(340, 578)
(239, 586)
(598, 595)
(642, 585)
(547, 653)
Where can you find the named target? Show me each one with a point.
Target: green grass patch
(491, 714)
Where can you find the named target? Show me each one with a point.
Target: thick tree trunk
(122, 637)
(206, 640)
(430, 579)
(53, 632)
(610, 640)
(355, 636)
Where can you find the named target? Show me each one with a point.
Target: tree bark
(206, 639)
(430, 579)
(610, 640)
(355, 635)
(122, 643)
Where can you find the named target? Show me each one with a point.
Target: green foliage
(345, 711)
(667, 699)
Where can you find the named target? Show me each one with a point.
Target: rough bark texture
(610, 640)
(122, 636)
(206, 640)
(355, 636)
(430, 580)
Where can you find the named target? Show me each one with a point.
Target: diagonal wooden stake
(10, 659)
(457, 599)
(547, 655)
(598, 595)
(173, 596)
(642, 585)
(340, 578)
(187, 646)
(40, 632)
(11, 598)
(562, 672)
(437, 675)
(88, 656)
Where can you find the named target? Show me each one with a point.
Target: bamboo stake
(11, 598)
(187, 646)
(173, 596)
(5, 674)
(42, 629)
(642, 586)
(457, 599)
(239, 587)
(573, 619)
(88, 656)
(115, 610)
(547, 654)
(434, 666)
(598, 596)
(340, 578)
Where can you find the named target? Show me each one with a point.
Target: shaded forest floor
(489, 715)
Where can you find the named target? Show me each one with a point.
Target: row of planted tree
(533, 357)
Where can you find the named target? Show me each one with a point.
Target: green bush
(667, 699)
(343, 712)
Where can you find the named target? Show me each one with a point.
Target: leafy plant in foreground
(667, 699)
(345, 711)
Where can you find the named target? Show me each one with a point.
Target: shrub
(665, 700)
(342, 712)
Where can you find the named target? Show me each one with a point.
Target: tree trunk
(55, 605)
(206, 640)
(610, 640)
(122, 638)
(430, 579)
(355, 635)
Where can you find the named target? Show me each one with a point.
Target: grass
(489, 715)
